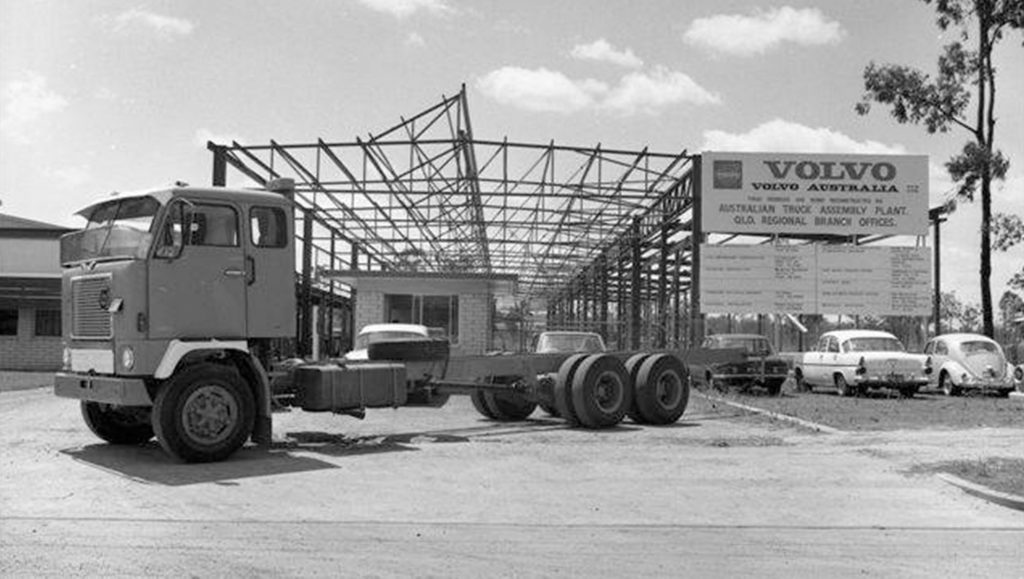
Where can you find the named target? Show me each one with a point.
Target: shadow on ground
(149, 464)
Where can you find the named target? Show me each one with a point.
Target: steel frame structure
(601, 236)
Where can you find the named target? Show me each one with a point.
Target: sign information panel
(815, 279)
(776, 193)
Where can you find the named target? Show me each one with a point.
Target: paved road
(422, 492)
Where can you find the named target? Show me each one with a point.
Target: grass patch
(879, 411)
(997, 473)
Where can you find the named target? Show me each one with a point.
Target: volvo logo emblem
(104, 299)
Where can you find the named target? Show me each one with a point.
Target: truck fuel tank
(336, 388)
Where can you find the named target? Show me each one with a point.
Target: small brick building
(458, 306)
(30, 324)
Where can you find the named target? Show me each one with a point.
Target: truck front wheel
(118, 424)
(204, 414)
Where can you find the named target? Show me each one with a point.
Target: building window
(440, 314)
(8, 322)
(48, 323)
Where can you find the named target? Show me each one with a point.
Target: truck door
(197, 276)
(270, 272)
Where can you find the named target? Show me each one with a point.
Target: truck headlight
(66, 358)
(128, 358)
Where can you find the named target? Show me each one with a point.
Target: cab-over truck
(172, 297)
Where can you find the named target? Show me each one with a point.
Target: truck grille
(89, 318)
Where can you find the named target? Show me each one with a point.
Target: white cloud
(782, 136)
(651, 91)
(25, 102)
(544, 90)
(405, 8)
(163, 26)
(756, 34)
(540, 90)
(415, 39)
(204, 135)
(601, 50)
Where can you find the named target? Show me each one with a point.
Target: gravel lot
(445, 493)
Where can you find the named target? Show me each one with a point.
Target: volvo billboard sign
(837, 194)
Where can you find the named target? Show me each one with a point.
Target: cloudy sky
(114, 95)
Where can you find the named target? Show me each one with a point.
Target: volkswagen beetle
(968, 362)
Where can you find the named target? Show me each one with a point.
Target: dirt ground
(444, 493)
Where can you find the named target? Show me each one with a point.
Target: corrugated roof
(12, 222)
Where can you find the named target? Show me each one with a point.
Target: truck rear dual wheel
(204, 413)
(118, 424)
(633, 369)
(661, 390)
(563, 388)
(503, 406)
(602, 392)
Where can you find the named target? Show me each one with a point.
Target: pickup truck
(854, 361)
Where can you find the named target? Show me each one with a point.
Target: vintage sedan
(374, 333)
(756, 363)
(965, 362)
(853, 361)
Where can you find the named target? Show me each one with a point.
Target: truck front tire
(118, 424)
(204, 413)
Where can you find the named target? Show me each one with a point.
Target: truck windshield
(116, 229)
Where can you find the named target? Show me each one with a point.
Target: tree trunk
(986, 256)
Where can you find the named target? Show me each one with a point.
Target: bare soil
(883, 411)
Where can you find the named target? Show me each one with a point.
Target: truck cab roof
(163, 195)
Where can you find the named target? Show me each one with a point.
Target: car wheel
(947, 386)
(842, 387)
(801, 384)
